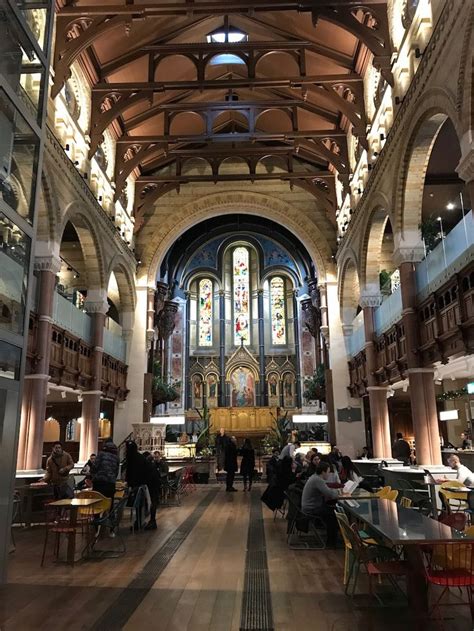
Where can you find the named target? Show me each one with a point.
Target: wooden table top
(87, 501)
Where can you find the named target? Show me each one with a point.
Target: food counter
(179, 451)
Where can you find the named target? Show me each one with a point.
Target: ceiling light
(450, 206)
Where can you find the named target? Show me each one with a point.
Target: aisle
(219, 562)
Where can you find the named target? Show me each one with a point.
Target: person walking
(58, 467)
(105, 469)
(221, 443)
(247, 465)
(230, 464)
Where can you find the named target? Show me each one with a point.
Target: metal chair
(57, 524)
(300, 524)
(110, 521)
(451, 565)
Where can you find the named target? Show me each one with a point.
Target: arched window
(241, 292)
(205, 312)
(277, 310)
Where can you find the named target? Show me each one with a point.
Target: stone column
(222, 393)
(422, 389)
(316, 301)
(261, 350)
(187, 383)
(465, 167)
(96, 304)
(379, 418)
(33, 413)
(296, 328)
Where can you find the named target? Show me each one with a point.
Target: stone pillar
(222, 393)
(350, 436)
(261, 351)
(316, 301)
(187, 382)
(96, 304)
(465, 167)
(379, 418)
(33, 413)
(422, 390)
(296, 328)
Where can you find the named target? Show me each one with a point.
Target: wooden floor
(200, 587)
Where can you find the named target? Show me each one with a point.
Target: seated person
(463, 474)
(315, 498)
(333, 480)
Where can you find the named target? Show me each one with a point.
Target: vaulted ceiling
(280, 100)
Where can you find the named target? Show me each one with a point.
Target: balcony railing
(389, 312)
(357, 338)
(447, 258)
(69, 317)
(114, 344)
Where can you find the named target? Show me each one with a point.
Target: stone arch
(90, 242)
(48, 210)
(260, 204)
(125, 282)
(371, 245)
(433, 108)
(197, 275)
(349, 289)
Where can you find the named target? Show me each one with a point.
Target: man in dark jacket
(105, 469)
(401, 449)
(272, 465)
(153, 472)
(230, 464)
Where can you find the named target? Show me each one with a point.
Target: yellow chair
(343, 521)
(384, 492)
(96, 509)
(469, 532)
(392, 496)
(406, 502)
(456, 501)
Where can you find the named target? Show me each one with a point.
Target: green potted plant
(315, 386)
(430, 232)
(163, 392)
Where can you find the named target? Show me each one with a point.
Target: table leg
(416, 581)
(71, 538)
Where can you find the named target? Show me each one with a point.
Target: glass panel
(14, 263)
(21, 67)
(205, 312)
(241, 296)
(18, 159)
(226, 58)
(277, 310)
(36, 17)
(236, 36)
(10, 358)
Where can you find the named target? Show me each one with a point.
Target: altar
(243, 422)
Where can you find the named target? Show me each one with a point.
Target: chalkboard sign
(349, 415)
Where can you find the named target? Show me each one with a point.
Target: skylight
(226, 35)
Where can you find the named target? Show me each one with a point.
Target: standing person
(221, 443)
(247, 465)
(153, 474)
(401, 449)
(58, 466)
(289, 450)
(105, 469)
(136, 477)
(230, 464)
(272, 465)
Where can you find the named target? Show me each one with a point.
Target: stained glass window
(241, 296)
(205, 312)
(277, 310)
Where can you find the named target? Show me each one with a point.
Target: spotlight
(450, 206)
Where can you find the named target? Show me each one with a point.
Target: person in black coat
(136, 475)
(153, 475)
(230, 464)
(247, 466)
(105, 468)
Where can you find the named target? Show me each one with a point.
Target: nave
(218, 562)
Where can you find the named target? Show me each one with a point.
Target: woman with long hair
(247, 465)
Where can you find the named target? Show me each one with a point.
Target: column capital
(370, 300)
(51, 263)
(347, 330)
(465, 168)
(96, 301)
(409, 254)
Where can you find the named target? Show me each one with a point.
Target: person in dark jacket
(136, 476)
(221, 443)
(247, 465)
(230, 464)
(272, 465)
(401, 449)
(154, 487)
(105, 469)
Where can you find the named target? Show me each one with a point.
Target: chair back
(98, 508)
(344, 527)
(384, 491)
(405, 502)
(450, 484)
(469, 532)
(451, 564)
(454, 520)
(392, 496)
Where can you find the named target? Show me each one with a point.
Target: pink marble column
(97, 306)
(379, 417)
(33, 413)
(422, 391)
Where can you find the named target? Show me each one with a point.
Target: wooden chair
(405, 502)
(383, 492)
(391, 495)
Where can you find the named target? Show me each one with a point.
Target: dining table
(73, 505)
(409, 529)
